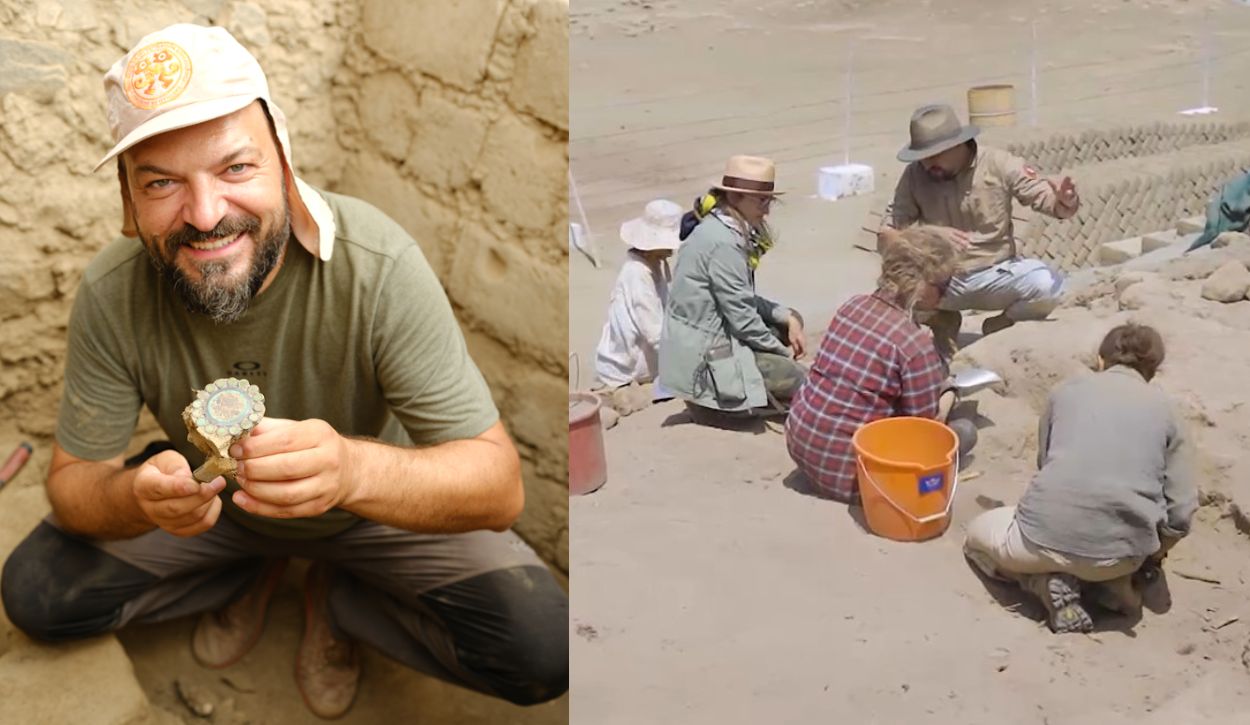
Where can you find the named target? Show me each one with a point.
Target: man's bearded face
(210, 203)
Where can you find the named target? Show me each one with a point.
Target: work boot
(997, 323)
(1061, 595)
(946, 325)
(327, 670)
(1117, 595)
(221, 638)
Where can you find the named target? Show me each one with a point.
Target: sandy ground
(709, 589)
(655, 112)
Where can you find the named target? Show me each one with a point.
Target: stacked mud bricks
(1133, 180)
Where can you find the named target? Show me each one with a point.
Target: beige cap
(187, 74)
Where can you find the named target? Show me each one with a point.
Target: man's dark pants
(479, 609)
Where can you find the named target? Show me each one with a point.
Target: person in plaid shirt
(875, 362)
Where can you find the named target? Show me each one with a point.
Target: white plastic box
(836, 182)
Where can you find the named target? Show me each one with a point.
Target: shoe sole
(1067, 613)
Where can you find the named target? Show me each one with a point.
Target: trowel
(971, 380)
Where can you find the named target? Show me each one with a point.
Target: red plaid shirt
(874, 362)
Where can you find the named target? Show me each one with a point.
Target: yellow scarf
(759, 243)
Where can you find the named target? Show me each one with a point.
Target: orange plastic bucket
(588, 467)
(908, 473)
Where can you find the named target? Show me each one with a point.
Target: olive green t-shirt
(365, 341)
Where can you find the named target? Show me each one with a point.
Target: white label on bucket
(929, 484)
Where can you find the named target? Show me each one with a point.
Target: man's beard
(215, 295)
(937, 173)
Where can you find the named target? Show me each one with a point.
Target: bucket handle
(950, 501)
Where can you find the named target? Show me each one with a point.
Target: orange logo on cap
(156, 74)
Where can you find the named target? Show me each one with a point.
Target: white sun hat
(657, 228)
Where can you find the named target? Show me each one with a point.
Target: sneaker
(221, 638)
(1061, 595)
(327, 669)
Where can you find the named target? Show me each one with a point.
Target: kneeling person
(1115, 488)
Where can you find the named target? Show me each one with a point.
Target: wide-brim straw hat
(750, 175)
(935, 129)
(659, 227)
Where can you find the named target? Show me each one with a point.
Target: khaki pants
(782, 375)
(996, 546)
(1023, 289)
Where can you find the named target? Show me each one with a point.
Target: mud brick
(1119, 251)
(1158, 240)
(1191, 225)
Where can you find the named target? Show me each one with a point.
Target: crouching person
(729, 353)
(1114, 489)
(876, 361)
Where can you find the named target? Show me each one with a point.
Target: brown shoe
(221, 638)
(997, 323)
(327, 670)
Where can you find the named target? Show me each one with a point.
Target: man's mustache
(227, 227)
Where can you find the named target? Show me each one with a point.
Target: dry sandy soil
(709, 587)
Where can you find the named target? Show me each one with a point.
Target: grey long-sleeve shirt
(1115, 469)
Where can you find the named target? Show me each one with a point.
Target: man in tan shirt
(966, 189)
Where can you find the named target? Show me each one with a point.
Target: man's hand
(292, 469)
(798, 343)
(172, 499)
(958, 238)
(1065, 196)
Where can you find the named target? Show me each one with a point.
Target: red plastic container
(588, 466)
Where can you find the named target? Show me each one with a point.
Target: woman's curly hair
(921, 255)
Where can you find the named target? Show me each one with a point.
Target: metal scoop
(973, 379)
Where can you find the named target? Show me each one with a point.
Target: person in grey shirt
(1115, 488)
